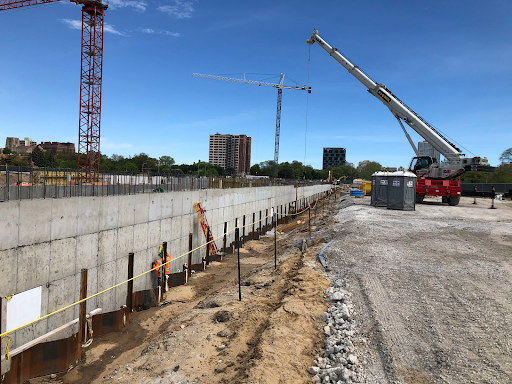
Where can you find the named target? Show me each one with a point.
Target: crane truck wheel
(419, 199)
(453, 200)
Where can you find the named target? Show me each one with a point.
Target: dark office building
(334, 157)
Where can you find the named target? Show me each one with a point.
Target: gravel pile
(338, 363)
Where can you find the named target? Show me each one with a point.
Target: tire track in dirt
(376, 332)
(254, 352)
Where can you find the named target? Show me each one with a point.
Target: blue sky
(451, 61)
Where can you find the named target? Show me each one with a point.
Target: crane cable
(307, 108)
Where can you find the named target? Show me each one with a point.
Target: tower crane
(279, 87)
(93, 12)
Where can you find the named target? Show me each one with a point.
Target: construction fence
(19, 183)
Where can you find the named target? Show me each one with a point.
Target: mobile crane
(434, 179)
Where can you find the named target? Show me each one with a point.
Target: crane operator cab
(421, 164)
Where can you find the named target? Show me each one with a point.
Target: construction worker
(158, 263)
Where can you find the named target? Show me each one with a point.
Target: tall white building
(27, 142)
(425, 149)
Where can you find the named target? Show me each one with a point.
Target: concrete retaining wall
(47, 242)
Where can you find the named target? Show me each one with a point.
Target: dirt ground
(431, 291)
(271, 336)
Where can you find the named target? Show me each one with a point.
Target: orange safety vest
(158, 263)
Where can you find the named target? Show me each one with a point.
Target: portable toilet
(379, 192)
(402, 191)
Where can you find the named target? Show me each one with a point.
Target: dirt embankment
(271, 336)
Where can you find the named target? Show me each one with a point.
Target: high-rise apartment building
(334, 157)
(426, 149)
(231, 152)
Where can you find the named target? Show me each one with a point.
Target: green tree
(308, 169)
(7, 151)
(38, 158)
(144, 162)
(166, 161)
(117, 158)
(322, 174)
(502, 174)
(267, 168)
(256, 170)
(19, 160)
(130, 166)
(297, 174)
(285, 170)
(49, 158)
(69, 160)
(474, 177)
(506, 156)
(369, 170)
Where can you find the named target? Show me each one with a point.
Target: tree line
(142, 162)
(296, 170)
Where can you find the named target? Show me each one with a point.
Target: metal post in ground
(493, 192)
(309, 220)
(259, 227)
(189, 255)
(243, 231)
(82, 311)
(237, 240)
(207, 246)
(316, 205)
(225, 234)
(275, 247)
(253, 226)
(129, 296)
(164, 269)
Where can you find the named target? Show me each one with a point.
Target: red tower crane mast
(93, 13)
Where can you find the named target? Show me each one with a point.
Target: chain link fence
(19, 183)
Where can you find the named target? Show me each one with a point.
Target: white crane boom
(401, 111)
(245, 81)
